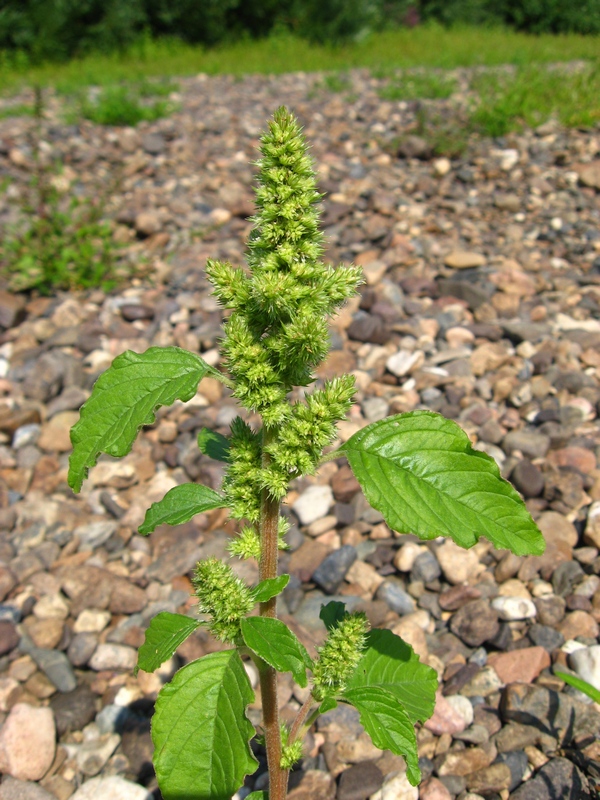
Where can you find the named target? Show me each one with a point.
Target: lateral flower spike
(225, 598)
(339, 656)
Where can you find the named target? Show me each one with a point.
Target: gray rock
(313, 504)
(528, 478)
(73, 710)
(530, 443)
(53, 663)
(425, 568)
(475, 623)
(517, 763)
(547, 637)
(398, 599)
(94, 534)
(82, 648)
(333, 569)
(360, 781)
(566, 576)
(559, 779)
(174, 562)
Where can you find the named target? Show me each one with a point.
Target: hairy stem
(300, 719)
(269, 544)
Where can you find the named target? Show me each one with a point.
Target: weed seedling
(417, 469)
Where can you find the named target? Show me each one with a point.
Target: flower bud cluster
(278, 331)
(339, 656)
(223, 596)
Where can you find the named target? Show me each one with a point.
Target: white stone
(458, 565)
(442, 166)
(586, 663)
(111, 788)
(407, 555)
(463, 706)
(514, 608)
(313, 504)
(113, 656)
(396, 787)
(403, 362)
(91, 620)
(51, 606)
(508, 159)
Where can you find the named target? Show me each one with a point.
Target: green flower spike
(339, 656)
(222, 596)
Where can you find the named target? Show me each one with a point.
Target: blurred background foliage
(57, 30)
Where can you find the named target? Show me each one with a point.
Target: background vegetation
(39, 30)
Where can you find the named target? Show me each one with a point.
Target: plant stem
(300, 718)
(269, 549)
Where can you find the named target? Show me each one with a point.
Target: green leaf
(420, 471)
(179, 505)
(269, 588)
(387, 723)
(332, 614)
(125, 398)
(257, 796)
(328, 704)
(579, 683)
(200, 730)
(163, 636)
(275, 643)
(391, 664)
(213, 444)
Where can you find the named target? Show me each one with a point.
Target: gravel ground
(481, 301)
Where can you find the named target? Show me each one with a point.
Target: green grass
(418, 86)
(120, 105)
(429, 45)
(68, 246)
(20, 110)
(535, 94)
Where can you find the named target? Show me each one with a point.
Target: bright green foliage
(179, 505)
(275, 643)
(163, 636)
(121, 105)
(269, 588)
(421, 472)
(290, 753)
(125, 398)
(392, 664)
(340, 655)
(580, 684)
(225, 598)
(387, 723)
(332, 614)
(213, 444)
(200, 731)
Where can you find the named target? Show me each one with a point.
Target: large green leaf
(275, 643)
(125, 398)
(163, 636)
(388, 724)
(392, 664)
(200, 730)
(213, 444)
(420, 471)
(269, 588)
(179, 505)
